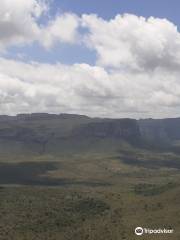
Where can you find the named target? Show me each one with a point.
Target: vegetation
(61, 180)
(153, 189)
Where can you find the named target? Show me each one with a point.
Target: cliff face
(29, 126)
(51, 132)
(121, 128)
(163, 130)
(44, 133)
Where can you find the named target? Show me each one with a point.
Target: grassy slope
(141, 188)
(137, 196)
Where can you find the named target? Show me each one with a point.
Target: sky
(99, 58)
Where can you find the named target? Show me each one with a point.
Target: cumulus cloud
(19, 24)
(62, 29)
(136, 73)
(51, 88)
(85, 89)
(132, 42)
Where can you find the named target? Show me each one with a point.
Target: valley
(66, 177)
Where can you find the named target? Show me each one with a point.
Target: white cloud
(19, 24)
(137, 71)
(62, 29)
(51, 88)
(18, 21)
(133, 43)
(84, 89)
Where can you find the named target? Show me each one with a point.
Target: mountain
(63, 176)
(161, 131)
(44, 133)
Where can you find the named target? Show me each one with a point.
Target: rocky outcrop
(163, 130)
(121, 128)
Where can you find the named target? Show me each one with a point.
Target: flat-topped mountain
(161, 129)
(43, 132)
(114, 128)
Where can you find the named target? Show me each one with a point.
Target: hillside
(65, 177)
(51, 133)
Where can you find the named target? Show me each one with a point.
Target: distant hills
(44, 133)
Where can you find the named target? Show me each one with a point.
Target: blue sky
(109, 8)
(103, 58)
(106, 9)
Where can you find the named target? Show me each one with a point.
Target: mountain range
(45, 133)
